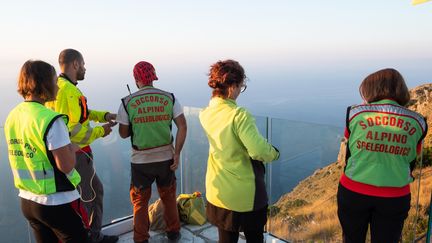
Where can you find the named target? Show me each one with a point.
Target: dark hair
(385, 84)
(36, 78)
(224, 74)
(68, 56)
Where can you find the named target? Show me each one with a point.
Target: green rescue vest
(32, 164)
(150, 112)
(382, 143)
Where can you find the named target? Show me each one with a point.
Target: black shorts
(143, 175)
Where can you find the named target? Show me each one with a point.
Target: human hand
(110, 117)
(175, 164)
(112, 123)
(107, 129)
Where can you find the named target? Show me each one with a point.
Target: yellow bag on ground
(156, 216)
(191, 208)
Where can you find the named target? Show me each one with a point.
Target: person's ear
(75, 64)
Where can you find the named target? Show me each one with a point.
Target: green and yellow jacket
(71, 102)
(235, 170)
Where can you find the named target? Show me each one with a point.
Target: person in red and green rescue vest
(383, 141)
(42, 160)
(71, 102)
(146, 117)
(235, 187)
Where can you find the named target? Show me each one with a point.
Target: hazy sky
(300, 56)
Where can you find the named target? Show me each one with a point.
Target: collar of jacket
(33, 101)
(67, 78)
(384, 101)
(219, 100)
(146, 87)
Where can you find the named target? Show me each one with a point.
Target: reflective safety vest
(33, 166)
(150, 112)
(383, 137)
(71, 102)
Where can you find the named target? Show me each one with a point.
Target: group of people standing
(49, 137)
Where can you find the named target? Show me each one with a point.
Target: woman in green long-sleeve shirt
(235, 188)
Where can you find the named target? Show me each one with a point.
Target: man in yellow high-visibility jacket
(71, 102)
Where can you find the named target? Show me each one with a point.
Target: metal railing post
(269, 169)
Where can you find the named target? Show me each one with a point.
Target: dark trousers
(384, 216)
(143, 176)
(53, 223)
(232, 237)
(92, 192)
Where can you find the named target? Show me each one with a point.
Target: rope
(91, 182)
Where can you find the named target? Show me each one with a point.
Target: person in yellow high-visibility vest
(42, 160)
(71, 102)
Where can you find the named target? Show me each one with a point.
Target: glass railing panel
(111, 157)
(194, 154)
(304, 148)
(13, 225)
(261, 123)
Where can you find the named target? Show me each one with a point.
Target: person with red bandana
(384, 139)
(146, 117)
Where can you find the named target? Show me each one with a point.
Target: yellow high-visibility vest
(33, 166)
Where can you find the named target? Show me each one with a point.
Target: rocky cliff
(421, 101)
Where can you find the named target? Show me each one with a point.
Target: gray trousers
(92, 198)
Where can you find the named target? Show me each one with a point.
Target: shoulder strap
(347, 118)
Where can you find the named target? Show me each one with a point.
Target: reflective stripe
(24, 174)
(87, 136)
(76, 129)
(387, 108)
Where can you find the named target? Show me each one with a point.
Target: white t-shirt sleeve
(58, 135)
(177, 109)
(122, 116)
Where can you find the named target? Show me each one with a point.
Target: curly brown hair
(385, 84)
(224, 74)
(36, 78)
